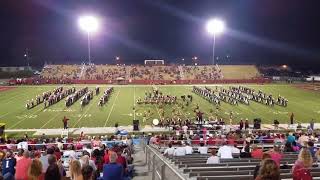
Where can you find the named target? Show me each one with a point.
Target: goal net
(154, 62)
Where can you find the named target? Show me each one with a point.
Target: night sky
(258, 31)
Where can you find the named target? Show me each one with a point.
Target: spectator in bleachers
(112, 170)
(19, 155)
(99, 158)
(121, 159)
(57, 153)
(225, 151)
(169, 151)
(275, 154)
(86, 161)
(69, 154)
(304, 138)
(301, 168)
(8, 166)
(35, 170)
(213, 159)
(87, 173)
(245, 151)
(75, 170)
(189, 149)
(311, 148)
(257, 168)
(52, 160)
(180, 151)
(22, 166)
(291, 138)
(235, 151)
(203, 149)
(44, 159)
(53, 172)
(269, 170)
(256, 152)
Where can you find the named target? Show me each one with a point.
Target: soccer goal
(153, 62)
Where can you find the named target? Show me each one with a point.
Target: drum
(155, 122)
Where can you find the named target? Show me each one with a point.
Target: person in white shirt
(225, 151)
(203, 149)
(213, 159)
(180, 151)
(185, 129)
(235, 151)
(188, 148)
(169, 151)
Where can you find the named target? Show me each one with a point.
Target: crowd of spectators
(84, 158)
(136, 72)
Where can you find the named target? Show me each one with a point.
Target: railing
(160, 167)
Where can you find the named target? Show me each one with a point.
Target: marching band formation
(105, 96)
(235, 95)
(157, 97)
(50, 97)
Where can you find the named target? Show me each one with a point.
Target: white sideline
(111, 108)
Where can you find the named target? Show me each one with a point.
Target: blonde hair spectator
(75, 170)
(305, 157)
(35, 170)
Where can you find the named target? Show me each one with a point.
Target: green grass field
(305, 105)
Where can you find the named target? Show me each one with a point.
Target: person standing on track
(65, 122)
(291, 118)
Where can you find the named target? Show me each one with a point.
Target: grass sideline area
(305, 104)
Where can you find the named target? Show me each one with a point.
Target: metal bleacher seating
(194, 167)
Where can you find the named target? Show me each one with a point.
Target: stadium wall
(33, 81)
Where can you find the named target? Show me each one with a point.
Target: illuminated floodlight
(88, 24)
(215, 26)
(117, 58)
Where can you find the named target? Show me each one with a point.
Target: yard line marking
(4, 115)
(24, 118)
(134, 102)
(50, 120)
(18, 96)
(84, 113)
(112, 108)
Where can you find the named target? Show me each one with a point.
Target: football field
(305, 105)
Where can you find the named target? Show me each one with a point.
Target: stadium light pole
(215, 27)
(89, 24)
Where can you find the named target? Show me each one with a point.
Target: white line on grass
(84, 113)
(134, 102)
(4, 115)
(24, 118)
(50, 120)
(111, 108)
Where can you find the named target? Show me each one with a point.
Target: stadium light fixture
(215, 27)
(89, 24)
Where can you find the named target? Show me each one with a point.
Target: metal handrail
(165, 163)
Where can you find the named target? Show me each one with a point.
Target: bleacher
(239, 71)
(194, 167)
(140, 72)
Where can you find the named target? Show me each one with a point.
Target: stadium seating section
(140, 72)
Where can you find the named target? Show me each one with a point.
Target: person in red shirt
(211, 140)
(22, 166)
(276, 155)
(121, 160)
(65, 122)
(301, 168)
(256, 152)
